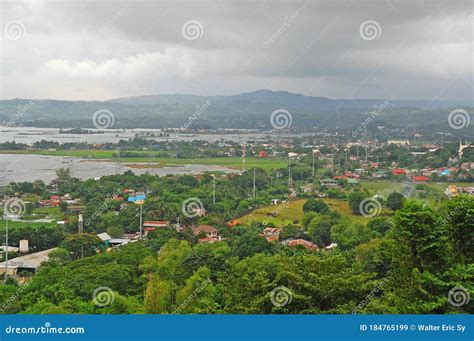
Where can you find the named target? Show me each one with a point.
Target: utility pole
(6, 248)
(289, 173)
(141, 220)
(332, 161)
(312, 171)
(213, 189)
(80, 221)
(117, 165)
(244, 147)
(254, 187)
(80, 230)
(5, 216)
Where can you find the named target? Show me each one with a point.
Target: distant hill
(285, 99)
(246, 110)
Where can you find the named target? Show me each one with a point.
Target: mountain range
(245, 110)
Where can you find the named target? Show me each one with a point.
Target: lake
(21, 167)
(31, 135)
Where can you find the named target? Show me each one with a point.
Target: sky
(98, 50)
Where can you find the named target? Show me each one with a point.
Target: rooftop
(32, 261)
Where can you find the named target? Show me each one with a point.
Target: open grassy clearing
(290, 212)
(145, 157)
(16, 224)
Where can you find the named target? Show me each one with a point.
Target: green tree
(196, 297)
(355, 198)
(82, 245)
(159, 296)
(313, 205)
(395, 201)
(459, 218)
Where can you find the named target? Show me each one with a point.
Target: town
(295, 196)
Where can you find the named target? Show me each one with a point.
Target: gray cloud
(99, 50)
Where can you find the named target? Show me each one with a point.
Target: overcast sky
(95, 50)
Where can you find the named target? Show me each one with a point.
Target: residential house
(271, 233)
(156, 223)
(399, 171)
(295, 242)
(212, 235)
(419, 179)
(331, 183)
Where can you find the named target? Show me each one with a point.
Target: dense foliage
(407, 264)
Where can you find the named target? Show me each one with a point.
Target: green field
(289, 212)
(230, 162)
(16, 224)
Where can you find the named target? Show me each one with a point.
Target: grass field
(230, 162)
(289, 212)
(14, 224)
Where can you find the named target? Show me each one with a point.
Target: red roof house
(420, 178)
(210, 231)
(399, 171)
(271, 233)
(159, 223)
(308, 245)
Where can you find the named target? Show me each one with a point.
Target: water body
(23, 167)
(31, 135)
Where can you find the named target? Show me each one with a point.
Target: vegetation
(414, 256)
